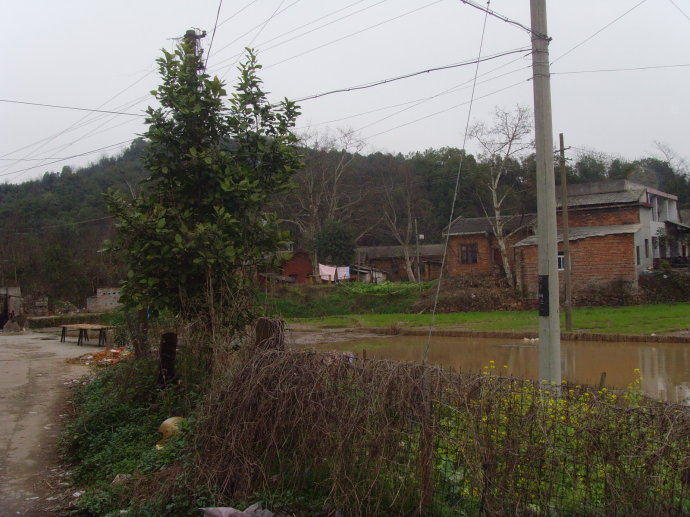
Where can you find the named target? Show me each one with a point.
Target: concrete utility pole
(566, 241)
(549, 324)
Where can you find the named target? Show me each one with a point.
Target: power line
(427, 345)
(421, 100)
(236, 13)
(679, 9)
(215, 26)
(446, 110)
(71, 108)
(263, 50)
(504, 18)
(66, 158)
(33, 229)
(599, 31)
(352, 34)
(632, 69)
(259, 26)
(412, 74)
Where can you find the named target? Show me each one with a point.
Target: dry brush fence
(389, 438)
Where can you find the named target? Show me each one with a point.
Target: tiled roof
(585, 232)
(471, 225)
(377, 252)
(606, 198)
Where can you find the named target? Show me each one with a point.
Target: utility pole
(549, 324)
(566, 242)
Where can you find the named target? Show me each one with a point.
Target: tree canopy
(194, 236)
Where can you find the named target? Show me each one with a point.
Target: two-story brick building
(616, 231)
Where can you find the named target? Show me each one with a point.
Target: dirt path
(33, 373)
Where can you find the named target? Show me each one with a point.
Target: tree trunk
(168, 353)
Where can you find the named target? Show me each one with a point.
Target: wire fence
(370, 437)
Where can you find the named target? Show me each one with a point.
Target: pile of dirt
(471, 293)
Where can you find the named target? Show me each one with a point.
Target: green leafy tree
(195, 235)
(335, 244)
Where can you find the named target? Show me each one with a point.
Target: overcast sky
(102, 55)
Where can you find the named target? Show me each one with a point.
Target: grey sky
(85, 54)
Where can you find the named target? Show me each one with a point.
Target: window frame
(469, 253)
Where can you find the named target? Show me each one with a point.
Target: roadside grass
(640, 319)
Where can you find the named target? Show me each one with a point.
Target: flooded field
(665, 368)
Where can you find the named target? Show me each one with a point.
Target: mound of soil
(471, 293)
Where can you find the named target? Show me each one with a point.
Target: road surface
(33, 373)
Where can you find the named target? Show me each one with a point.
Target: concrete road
(33, 372)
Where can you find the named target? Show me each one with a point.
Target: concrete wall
(106, 299)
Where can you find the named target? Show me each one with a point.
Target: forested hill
(53, 227)
(69, 196)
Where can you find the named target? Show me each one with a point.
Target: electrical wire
(264, 50)
(503, 18)
(427, 345)
(419, 101)
(261, 27)
(71, 108)
(352, 34)
(631, 69)
(67, 158)
(213, 36)
(446, 110)
(35, 229)
(236, 13)
(412, 74)
(679, 9)
(599, 31)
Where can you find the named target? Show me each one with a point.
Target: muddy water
(665, 368)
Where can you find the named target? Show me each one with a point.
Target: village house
(617, 230)
(391, 260)
(473, 247)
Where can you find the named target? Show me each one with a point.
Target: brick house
(391, 260)
(298, 266)
(616, 231)
(473, 248)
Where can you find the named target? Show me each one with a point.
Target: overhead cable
(503, 18)
(599, 31)
(71, 108)
(413, 74)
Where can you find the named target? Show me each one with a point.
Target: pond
(665, 368)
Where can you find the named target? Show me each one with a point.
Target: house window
(468, 253)
(561, 260)
(637, 249)
(646, 248)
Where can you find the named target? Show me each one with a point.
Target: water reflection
(665, 368)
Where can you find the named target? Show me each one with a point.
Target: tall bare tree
(398, 214)
(508, 136)
(325, 188)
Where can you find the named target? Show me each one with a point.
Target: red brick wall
(484, 259)
(603, 216)
(596, 262)
(299, 267)
(486, 262)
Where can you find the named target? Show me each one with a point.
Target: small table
(83, 329)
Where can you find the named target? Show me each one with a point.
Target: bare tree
(398, 215)
(502, 142)
(325, 187)
(670, 156)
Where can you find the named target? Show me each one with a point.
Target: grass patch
(640, 319)
(310, 301)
